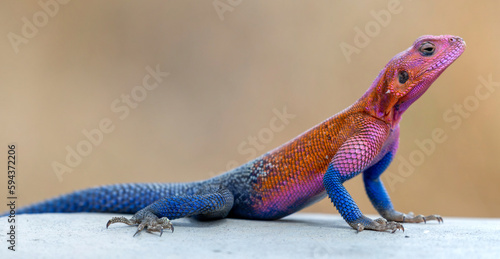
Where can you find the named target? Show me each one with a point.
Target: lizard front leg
(379, 196)
(353, 157)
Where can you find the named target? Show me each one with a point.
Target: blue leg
(380, 198)
(375, 188)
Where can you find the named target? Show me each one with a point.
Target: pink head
(410, 73)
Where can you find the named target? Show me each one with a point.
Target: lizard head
(410, 73)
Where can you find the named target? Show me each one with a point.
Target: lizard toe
(124, 220)
(410, 218)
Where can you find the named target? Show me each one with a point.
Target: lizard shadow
(292, 222)
(197, 223)
(313, 222)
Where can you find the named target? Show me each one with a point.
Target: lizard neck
(380, 104)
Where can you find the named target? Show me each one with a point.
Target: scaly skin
(361, 139)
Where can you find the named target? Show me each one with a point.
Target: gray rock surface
(84, 235)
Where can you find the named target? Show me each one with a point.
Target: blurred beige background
(225, 78)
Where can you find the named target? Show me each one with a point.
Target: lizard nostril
(457, 40)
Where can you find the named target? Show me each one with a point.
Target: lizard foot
(144, 220)
(379, 224)
(411, 218)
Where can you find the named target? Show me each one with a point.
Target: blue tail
(118, 198)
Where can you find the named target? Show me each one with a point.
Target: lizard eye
(427, 49)
(403, 77)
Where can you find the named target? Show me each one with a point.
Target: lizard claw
(171, 227)
(438, 218)
(137, 232)
(359, 228)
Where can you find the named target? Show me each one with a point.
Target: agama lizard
(361, 139)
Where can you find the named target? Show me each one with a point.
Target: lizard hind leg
(208, 202)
